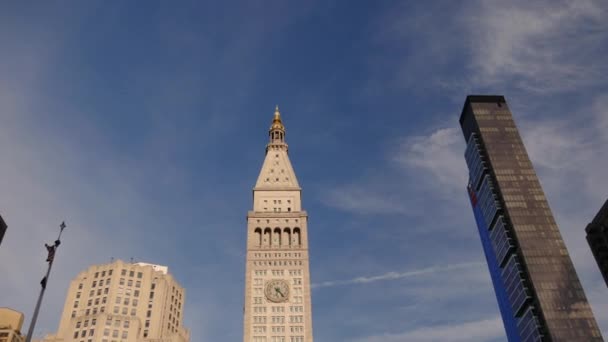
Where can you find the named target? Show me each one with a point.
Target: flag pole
(52, 249)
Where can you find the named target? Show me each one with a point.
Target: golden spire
(276, 121)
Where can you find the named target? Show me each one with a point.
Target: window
(123, 272)
(131, 273)
(140, 275)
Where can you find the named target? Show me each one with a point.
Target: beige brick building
(277, 280)
(123, 302)
(10, 325)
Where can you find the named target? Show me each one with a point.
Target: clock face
(277, 291)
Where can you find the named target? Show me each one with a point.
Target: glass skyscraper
(539, 294)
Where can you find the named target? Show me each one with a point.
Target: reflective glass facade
(539, 294)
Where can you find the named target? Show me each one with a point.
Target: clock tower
(277, 279)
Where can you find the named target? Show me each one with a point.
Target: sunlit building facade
(538, 291)
(123, 302)
(277, 279)
(11, 322)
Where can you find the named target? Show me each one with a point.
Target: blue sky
(133, 119)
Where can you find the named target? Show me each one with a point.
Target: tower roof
(277, 172)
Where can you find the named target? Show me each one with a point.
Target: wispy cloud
(541, 47)
(544, 46)
(397, 275)
(438, 155)
(366, 199)
(472, 331)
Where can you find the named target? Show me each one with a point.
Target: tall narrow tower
(277, 279)
(539, 294)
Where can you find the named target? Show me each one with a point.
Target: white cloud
(439, 155)
(475, 331)
(363, 199)
(398, 275)
(542, 46)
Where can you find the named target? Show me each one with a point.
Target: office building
(538, 291)
(10, 325)
(126, 302)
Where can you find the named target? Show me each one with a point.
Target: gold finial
(277, 114)
(277, 122)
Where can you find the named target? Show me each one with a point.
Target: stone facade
(11, 322)
(126, 302)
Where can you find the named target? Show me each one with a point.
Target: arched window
(295, 238)
(276, 237)
(267, 236)
(258, 236)
(287, 236)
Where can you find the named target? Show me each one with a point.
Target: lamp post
(52, 249)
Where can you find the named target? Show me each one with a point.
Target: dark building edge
(597, 239)
(3, 227)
